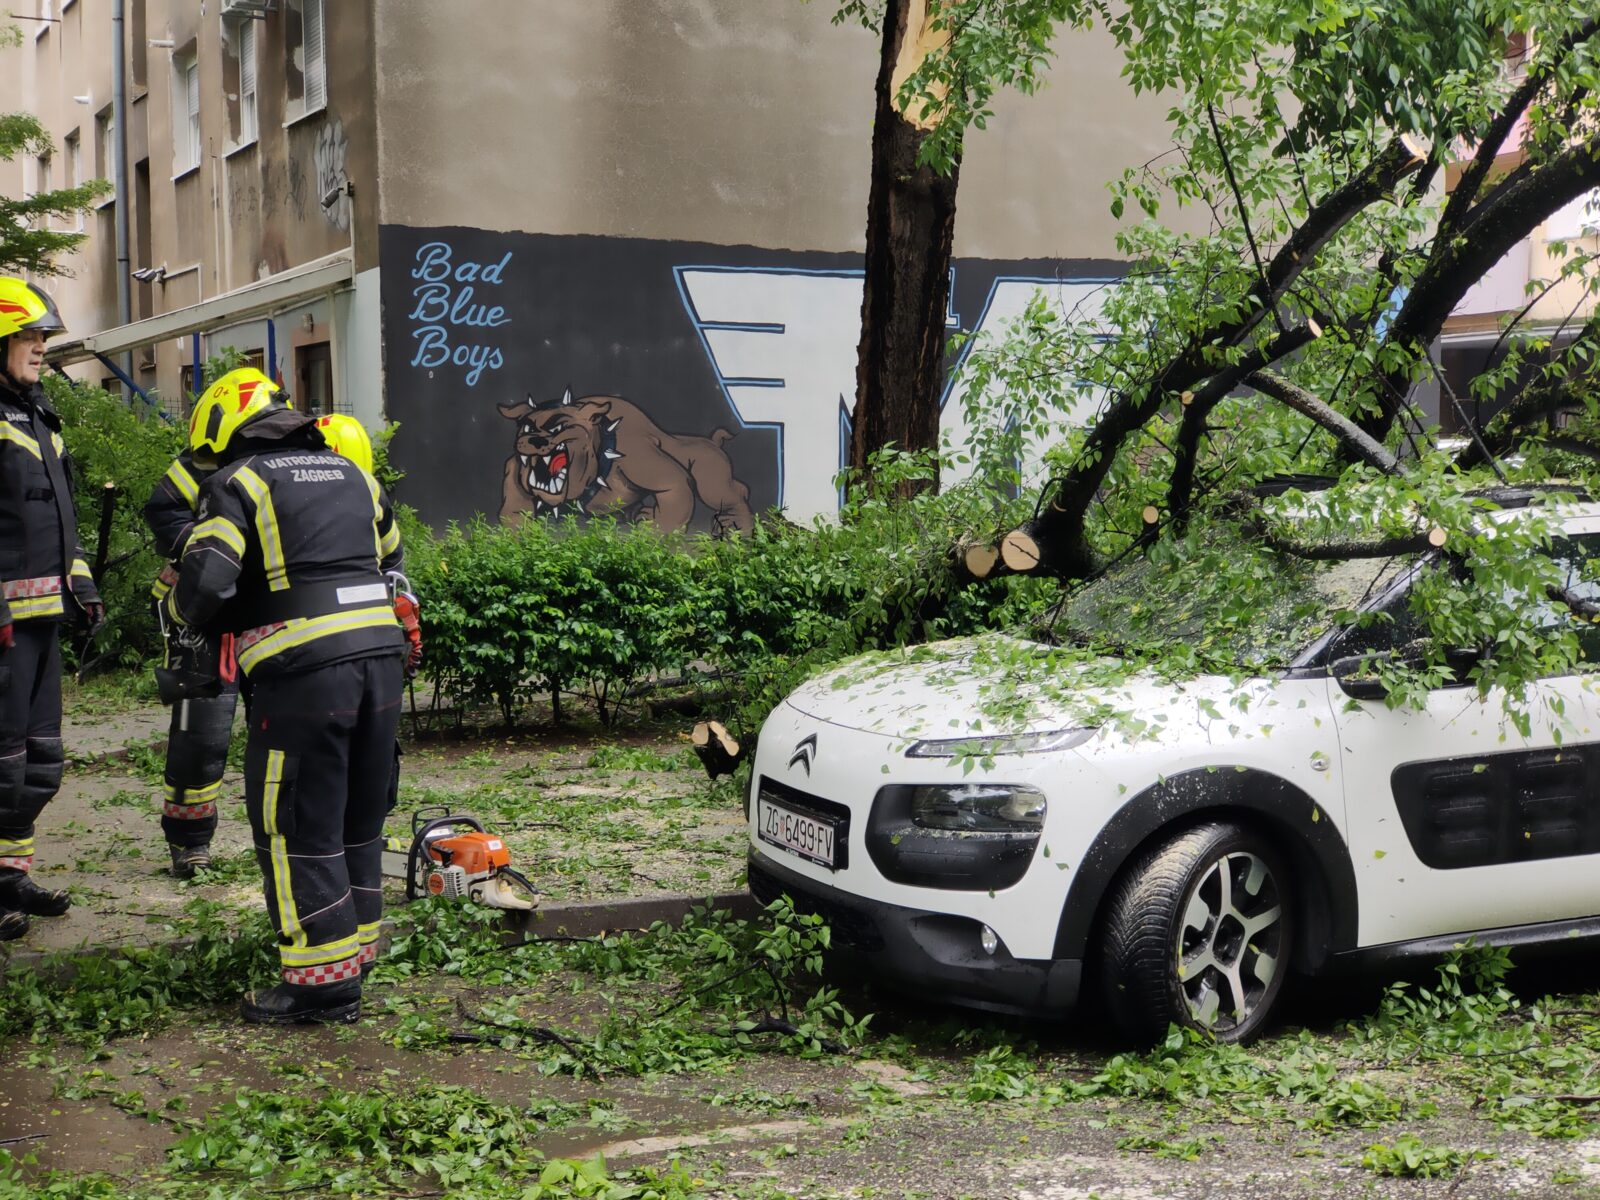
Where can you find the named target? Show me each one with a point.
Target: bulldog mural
(604, 455)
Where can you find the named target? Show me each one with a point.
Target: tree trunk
(911, 218)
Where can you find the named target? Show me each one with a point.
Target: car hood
(989, 684)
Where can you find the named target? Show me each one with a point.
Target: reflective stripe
(317, 956)
(10, 433)
(22, 862)
(196, 811)
(380, 542)
(14, 847)
(57, 444)
(220, 528)
(350, 968)
(80, 570)
(266, 527)
(38, 606)
(165, 578)
(184, 482)
(278, 852)
(297, 631)
(41, 585)
(193, 795)
(368, 933)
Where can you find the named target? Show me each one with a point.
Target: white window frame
(46, 18)
(249, 76)
(313, 62)
(105, 131)
(73, 145)
(185, 115)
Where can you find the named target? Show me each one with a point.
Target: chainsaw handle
(419, 839)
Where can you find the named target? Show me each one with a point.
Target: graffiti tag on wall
(450, 318)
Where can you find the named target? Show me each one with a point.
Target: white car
(1200, 839)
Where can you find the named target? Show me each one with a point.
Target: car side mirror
(1358, 678)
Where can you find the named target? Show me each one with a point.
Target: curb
(575, 919)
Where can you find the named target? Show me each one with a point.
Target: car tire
(1198, 932)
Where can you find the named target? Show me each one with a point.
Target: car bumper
(936, 954)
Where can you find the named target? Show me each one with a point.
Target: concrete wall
(729, 121)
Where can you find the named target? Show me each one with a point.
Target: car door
(1458, 820)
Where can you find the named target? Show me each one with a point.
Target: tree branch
(1347, 431)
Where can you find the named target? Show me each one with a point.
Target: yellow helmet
(23, 306)
(347, 436)
(227, 404)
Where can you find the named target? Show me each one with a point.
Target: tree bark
(911, 218)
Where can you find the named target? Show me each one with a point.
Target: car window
(1577, 557)
(1392, 625)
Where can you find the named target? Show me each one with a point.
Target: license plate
(812, 838)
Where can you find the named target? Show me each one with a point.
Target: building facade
(586, 253)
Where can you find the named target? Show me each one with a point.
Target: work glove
(94, 617)
(8, 637)
(409, 613)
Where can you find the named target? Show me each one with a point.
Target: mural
(681, 383)
(601, 454)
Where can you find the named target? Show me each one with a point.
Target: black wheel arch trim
(1325, 879)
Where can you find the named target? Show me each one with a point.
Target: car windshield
(1221, 599)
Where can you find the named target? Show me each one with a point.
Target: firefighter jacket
(170, 515)
(289, 553)
(41, 561)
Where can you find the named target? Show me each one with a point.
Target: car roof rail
(1276, 485)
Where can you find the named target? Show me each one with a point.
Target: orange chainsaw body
(477, 854)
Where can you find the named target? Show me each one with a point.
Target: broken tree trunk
(911, 220)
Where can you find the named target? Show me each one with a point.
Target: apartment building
(585, 252)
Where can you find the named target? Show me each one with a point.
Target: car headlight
(990, 745)
(978, 808)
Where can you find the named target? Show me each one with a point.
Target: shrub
(599, 610)
(120, 452)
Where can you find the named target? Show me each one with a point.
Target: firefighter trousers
(197, 756)
(30, 736)
(318, 766)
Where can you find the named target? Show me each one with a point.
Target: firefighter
(347, 436)
(202, 713)
(291, 552)
(46, 583)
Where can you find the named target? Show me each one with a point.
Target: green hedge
(601, 611)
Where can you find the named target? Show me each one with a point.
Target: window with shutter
(248, 130)
(316, 62)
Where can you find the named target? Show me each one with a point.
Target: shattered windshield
(1222, 599)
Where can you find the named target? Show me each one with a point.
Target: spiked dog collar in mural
(608, 455)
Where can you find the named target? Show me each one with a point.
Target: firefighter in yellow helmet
(199, 678)
(347, 436)
(290, 552)
(45, 583)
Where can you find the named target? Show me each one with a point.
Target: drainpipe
(119, 151)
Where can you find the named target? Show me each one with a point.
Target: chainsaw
(452, 855)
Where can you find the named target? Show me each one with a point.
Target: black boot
(12, 925)
(298, 1004)
(186, 860)
(18, 891)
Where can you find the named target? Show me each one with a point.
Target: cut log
(719, 753)
(978, 558)
(1020, 551)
